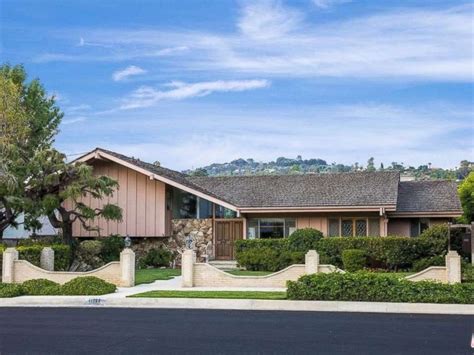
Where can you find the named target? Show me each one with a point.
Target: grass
(256, 295)
(146, 276)
(248, 272)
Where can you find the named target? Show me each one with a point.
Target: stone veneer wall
(199, 229)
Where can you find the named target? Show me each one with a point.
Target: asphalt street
(168, 331)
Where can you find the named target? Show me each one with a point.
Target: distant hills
(299, 165)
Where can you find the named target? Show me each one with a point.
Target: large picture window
(353, 227)
(267, 228)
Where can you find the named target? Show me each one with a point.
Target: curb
(228, 304)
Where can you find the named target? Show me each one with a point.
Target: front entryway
(226, 233)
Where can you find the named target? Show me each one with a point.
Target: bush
(424, 263)
(467, 272)
(41, 287)
(32, 254)
(440, 232)
(383, 253)
(88, 252)
(354, 259)
(88, 285)
(376, 288)
(10, 290)
(304, 239)
(158, 257)
(111, 248)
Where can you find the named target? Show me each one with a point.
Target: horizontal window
(266, 228)
(353, 227)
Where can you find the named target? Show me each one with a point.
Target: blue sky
(194, 82)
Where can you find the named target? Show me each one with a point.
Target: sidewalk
(120, 300)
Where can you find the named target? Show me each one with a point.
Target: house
(216, 211)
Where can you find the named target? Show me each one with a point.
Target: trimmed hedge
(382, 252)
(88, 285)
(424, 263)
(369, 287)
(354, 259)
(10, 290)
(32, 253)
(41, 287)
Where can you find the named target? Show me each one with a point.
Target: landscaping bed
(257, 295)
(146, 276)
(373, 287)
(80, 286)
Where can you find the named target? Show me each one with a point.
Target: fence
(120, 273)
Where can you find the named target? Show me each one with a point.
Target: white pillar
(453, 267)
(8, 265)
(187, 267)
(127, 266)
(311, 262)
(47, 259)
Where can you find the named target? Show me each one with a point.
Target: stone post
(453, 267)
(47, 259)
(187, 267)
(8, 265)
(311, 262)
(127, 265)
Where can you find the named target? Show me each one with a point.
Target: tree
(466, 194)
(200, 172)
(60, 189)
(370, 164)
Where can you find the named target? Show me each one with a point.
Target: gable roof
(375, 189)
(428, 196)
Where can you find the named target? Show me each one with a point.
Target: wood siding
(142, 201)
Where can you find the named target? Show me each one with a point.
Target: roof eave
(439, 214)
(321, 209)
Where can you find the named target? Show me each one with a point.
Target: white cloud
(413, 43)
(325, 4)
(268, 19)
(147, 96)
(68, 121)
(127, 72)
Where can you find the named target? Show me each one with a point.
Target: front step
(224, 264)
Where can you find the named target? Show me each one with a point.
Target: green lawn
(146, 276)
(248, 273)
(256, 295)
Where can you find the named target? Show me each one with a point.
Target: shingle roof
(428, 196)
(312, 190)
(176, 176)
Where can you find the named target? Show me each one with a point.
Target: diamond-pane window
(361, 228)
(334, 227)
(346, 228)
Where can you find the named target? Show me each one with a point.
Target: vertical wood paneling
(132, 203)
(302, 222)
(112, 226)
(122, 199)
(141, 204)
(160, 199)
(150, 220)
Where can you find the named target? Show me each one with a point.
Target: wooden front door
(226, 233)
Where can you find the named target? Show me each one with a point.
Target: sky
(189, 83)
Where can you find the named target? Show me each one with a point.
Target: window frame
(286, 227)
(354, 226)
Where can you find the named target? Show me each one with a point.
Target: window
(222, 212)
(353, 227)
(417, 226)
(334, 228)
(204, 208)
(184, 204)
(267, 228)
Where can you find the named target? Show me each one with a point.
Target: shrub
(62, 256)
(304, 239)
(158, 257)
(111, 248)
(440, 232)
(32, 254)
(41, 287)
(354, 259)
(88, 252)
(88, 285)
(10, 290)
(424, 263)
(369, 287)
(467, 270)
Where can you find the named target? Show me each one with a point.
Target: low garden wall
(205, 275)
(119, 273)
(451, 273)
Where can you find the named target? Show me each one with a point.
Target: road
(166, 331)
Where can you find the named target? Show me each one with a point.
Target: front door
(227, 232)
